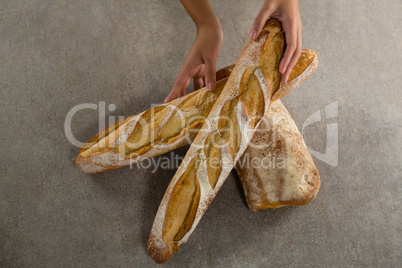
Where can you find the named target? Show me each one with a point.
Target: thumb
(210, 74)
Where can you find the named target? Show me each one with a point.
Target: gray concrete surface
(58, 54)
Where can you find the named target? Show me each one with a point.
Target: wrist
(210, 20)
(201, 13)
(210, 27)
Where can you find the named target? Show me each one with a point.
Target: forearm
(201, 12)
(201, 60)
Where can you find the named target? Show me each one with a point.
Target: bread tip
(86, 166)
(79, 160)
(158, 250)
(273, 22)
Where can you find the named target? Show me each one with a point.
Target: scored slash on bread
(184, 205)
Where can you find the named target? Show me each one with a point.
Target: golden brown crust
(180, 211)
(252, 97)
(214, 169)
(224, 72)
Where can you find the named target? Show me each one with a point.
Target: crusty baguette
(276, 169)
(150, 133)
(222, 139)
(105, 151)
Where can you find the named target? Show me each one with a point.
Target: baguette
(222, 139)
(276, 169)
(114, 147)
(150, 133)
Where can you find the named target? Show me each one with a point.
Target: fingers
(259, 22)
(177, 91)
(179, 87)
(210, 74)
(291, 45)
(198, 82)
(293, 49)
(293, 60)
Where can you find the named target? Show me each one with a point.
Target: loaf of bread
(141, 136)
(276, 169)
(220, 142)
(150, 133)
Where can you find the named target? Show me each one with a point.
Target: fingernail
(281, 69)
(253, 34)
(211, 86)
(284, 69)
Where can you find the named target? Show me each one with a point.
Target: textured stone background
(57, 54)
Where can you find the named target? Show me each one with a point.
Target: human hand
(287, 11)
(200, 63)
